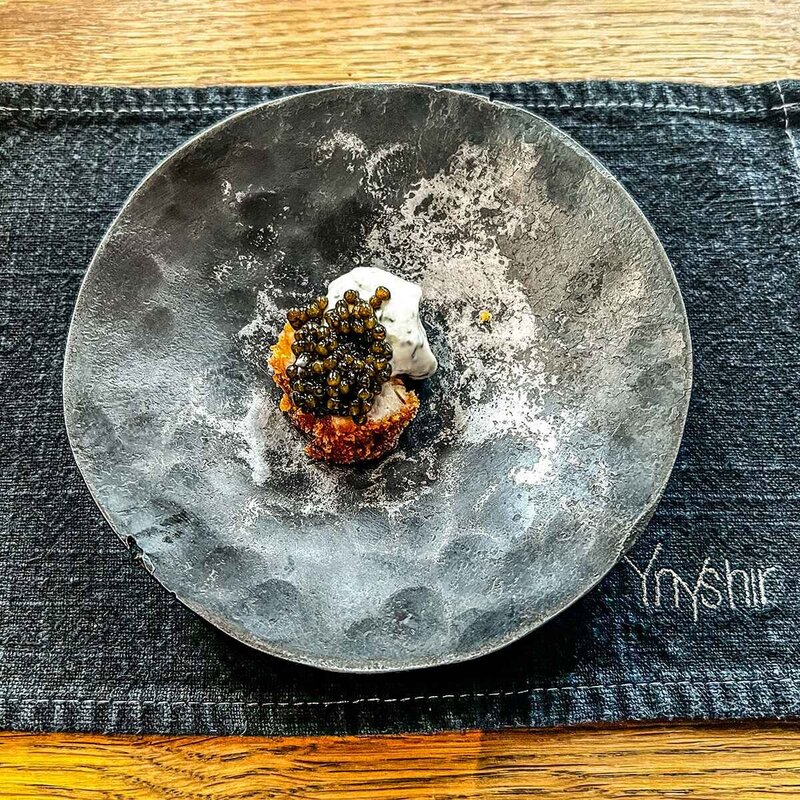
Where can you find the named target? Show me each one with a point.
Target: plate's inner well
(543, 441)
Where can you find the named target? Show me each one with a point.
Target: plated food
(339, 360)
(511, 447)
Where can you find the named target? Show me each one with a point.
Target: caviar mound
(342, 358)
(338, 439)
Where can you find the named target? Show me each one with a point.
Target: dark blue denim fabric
(702, 620)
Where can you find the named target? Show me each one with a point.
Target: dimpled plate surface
(543, 442)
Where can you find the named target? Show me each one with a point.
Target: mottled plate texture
(543, 443)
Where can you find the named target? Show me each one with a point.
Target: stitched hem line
(689, 109)
(786, 126)
(410, 698)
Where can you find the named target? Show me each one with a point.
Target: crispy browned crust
(339, 440)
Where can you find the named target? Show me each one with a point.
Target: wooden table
(165, 42)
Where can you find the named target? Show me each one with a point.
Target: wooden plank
(168, 42)
(748, 763)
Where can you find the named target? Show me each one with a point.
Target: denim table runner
(701, 619)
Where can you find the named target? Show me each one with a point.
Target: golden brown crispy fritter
(339, 440)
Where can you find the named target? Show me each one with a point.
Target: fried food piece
(338, 439)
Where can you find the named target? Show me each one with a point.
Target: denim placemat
(701, 620)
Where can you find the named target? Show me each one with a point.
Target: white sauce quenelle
(412, 354)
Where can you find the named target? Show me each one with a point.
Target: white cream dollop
(412, 354)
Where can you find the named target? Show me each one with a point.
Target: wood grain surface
(197, 42)
(714, 763)
(166, 42)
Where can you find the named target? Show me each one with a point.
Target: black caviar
(342, 358)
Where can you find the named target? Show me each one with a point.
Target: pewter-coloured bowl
(543, 442)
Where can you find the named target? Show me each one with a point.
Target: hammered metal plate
(543, 443)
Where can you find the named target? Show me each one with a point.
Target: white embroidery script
(718, 584)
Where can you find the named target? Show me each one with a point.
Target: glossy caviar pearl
(383, 294)
(351, 296)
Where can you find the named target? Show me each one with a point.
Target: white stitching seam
(786, 125)
(410, 698)
(554, 106)
(128, 110)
